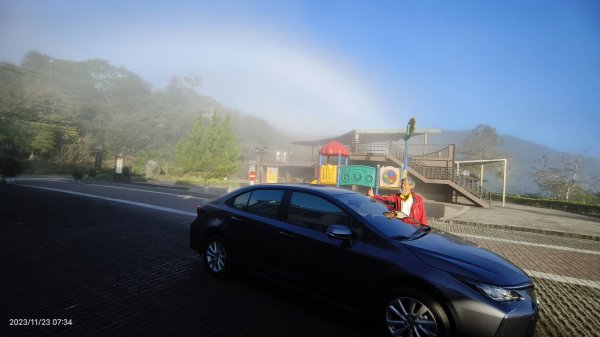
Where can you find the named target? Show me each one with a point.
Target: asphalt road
(92, 267)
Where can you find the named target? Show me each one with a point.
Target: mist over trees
(523, 162)
(481, 143)
(563, 177)
(60, 111)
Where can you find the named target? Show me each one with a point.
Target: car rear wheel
(217, 256)
(411, 312)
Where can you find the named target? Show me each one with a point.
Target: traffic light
(410, 128)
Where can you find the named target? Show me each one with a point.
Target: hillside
(60, 110)
(522, 157)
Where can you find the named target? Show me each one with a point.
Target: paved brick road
(566, 272)
(123, 270)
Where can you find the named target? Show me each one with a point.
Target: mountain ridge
(522, 156)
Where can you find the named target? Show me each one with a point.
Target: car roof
(331, 190)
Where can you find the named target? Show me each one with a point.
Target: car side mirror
(340, 232)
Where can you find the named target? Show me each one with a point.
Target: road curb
(523, 229)
(159, 185)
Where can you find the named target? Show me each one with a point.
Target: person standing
(407, 201)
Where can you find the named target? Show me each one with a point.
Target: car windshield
(381, 218)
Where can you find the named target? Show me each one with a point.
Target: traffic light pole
(410, 128)
(405, 167)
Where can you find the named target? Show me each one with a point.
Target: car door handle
(287, 234)
(235, 218)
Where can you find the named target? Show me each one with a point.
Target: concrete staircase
(468, 188)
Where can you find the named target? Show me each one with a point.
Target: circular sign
(389, 177)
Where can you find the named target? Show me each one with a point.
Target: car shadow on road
(273, 309)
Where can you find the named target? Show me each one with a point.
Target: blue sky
(530, 69)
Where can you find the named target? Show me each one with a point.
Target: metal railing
(449, 173)
(436, 151)
(424, 151)
(396, 149)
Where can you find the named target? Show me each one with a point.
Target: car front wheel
(411, 312)
(217, 256)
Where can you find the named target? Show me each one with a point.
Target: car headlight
(498, 293)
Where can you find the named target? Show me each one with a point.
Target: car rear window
(266, 202)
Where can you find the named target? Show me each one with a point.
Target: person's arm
(387, 198)
(418, 212)
(423, 215)
(391, 201)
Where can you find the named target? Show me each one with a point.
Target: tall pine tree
(211, 149)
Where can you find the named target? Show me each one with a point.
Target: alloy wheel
(216, 256)
(407, 317)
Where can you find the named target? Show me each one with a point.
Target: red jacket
(417, 210)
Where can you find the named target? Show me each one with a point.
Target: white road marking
(585, 251)
(123, 201)
(148, 191)
(563, 279)
(539, 274)
(125, 188)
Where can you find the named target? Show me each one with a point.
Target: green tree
(44, 143)
(60, 109)
(211, 148)
(15, 128)
(76, 150)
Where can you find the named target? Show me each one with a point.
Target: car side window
(314, 212)
(241, 201)
(262, 202)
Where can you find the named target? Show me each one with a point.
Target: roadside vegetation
(77, 118)
(589, 204)
(66, 117)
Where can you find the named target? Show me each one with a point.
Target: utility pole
(260, 151)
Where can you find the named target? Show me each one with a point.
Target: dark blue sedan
(414, 280)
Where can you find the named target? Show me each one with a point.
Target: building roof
(366, 136)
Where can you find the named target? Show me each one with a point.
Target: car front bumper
(478, 316)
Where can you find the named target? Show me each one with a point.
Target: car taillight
(200, 209)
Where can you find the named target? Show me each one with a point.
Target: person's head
(407, 184)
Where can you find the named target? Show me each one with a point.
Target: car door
(252, 227)
(315, 260)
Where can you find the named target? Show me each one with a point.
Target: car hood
(454, 255)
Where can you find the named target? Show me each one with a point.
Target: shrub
(10, 167)
(568, 206)
(77, 174)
